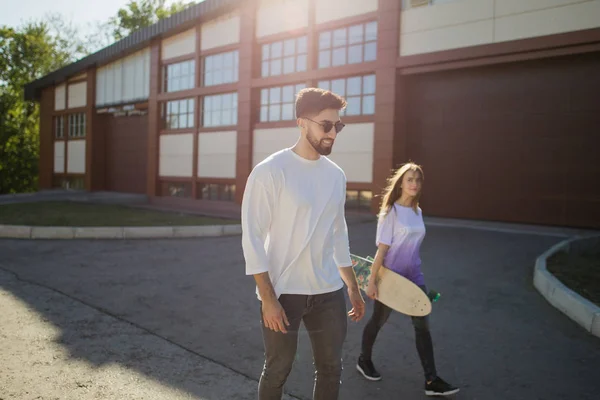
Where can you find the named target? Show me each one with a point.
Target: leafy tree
(138, 14)
(26, 54)
(36, 49)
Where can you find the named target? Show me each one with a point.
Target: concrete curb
(570, 303)
(127, 232)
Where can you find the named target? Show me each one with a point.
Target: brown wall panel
(126, 155)
(514, 142)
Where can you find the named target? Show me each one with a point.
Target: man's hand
(274, 316)
(358, 305)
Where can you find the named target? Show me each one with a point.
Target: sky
(81, 13)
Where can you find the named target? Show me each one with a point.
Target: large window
(180, 76)
(216, 191)
(221, 68)
(77, 125)
(277, 103)
(284, 57)
(179, 114)
(359, 92)
(59, 127)
(349, 45)
(220, 110)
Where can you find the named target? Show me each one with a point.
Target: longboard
(394, 290)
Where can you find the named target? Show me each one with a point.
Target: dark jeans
(381, 313)
(324, 317)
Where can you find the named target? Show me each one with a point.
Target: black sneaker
(367, 369)
(438, 387)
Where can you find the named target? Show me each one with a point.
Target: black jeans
(381, 313)
(325, 319)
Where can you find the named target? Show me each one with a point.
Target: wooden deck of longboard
(396, 291)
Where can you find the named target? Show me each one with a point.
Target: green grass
(580, 272)
(62, 213)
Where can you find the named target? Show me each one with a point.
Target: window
(284, 57)
(221, 68)
(216, 191)
(220, 110)
(180, 76)
(59, 127)
(179, 114)
(176, 189)
(349, 45)
(358, 199)
(77, 125)
(359, 92)
(277, 103)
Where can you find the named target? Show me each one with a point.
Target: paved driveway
(493, 334)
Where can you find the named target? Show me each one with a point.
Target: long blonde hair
(393, 191)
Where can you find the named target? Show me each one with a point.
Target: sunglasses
(327, 125)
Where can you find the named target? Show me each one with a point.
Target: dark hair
(311, 101)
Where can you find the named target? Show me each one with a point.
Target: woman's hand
(372, 288)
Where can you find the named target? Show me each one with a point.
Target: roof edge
(204, 10)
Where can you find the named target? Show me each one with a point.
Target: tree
(139, 14)
(26, 54)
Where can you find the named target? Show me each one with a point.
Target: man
(295, 243)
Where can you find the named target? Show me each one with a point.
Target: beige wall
(59, 156)
(352, 151)
(176, 155)
(77, 95)
(76, 157)
(217, 154)
(222, 31)
(179, 45)
(331, 10)
(276, 16)
(60, 97)
(124, 80)
(269, 141)
(463, 23)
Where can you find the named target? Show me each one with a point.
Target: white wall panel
(353, 152)
(179, 45)
(76, 157)
(269, 141)
(77, 95)
(60, 97)
(59, 156)
(331, 10)
(176, 155)
(217, 154)
(549, 21)
(221, 32)
(447, 14)
(464, 23)
(276, 16)
(452, 37)
(512, 7)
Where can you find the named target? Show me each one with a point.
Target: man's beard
(318, 145)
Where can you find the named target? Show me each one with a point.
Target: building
(498, 100)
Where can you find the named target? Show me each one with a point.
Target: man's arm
(341, 255)
(257, 209)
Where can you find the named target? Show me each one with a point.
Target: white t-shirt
(293, 223)
(403, 230)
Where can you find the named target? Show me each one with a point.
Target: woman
(400, 232)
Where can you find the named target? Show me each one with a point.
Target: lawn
(580, 272)
(63, 213)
